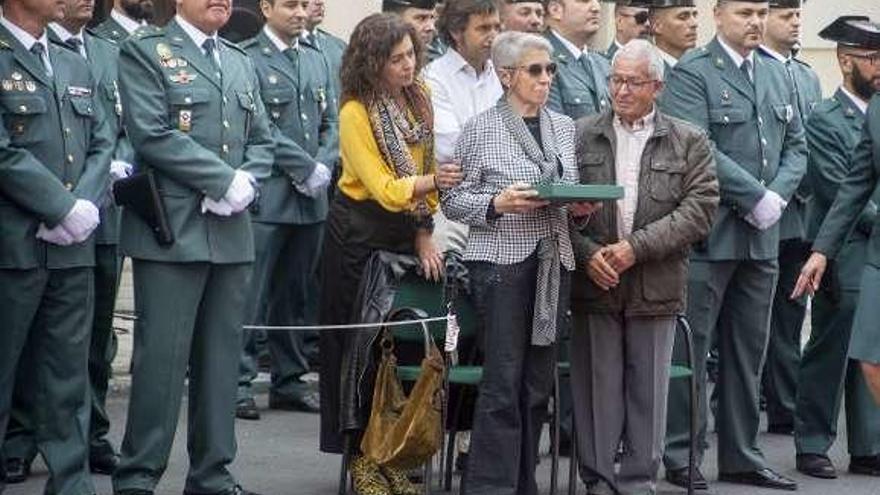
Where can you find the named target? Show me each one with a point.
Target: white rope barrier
(350, 326)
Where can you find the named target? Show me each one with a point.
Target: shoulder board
(148, 31)
(234, 46)
(249, 43)
(695, 54)
(801, 62)
(828, 105)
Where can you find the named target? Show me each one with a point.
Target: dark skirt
(355, 230)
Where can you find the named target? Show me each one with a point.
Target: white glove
(57, 236)
(241, 192)
(316, 182)
(767, 212)
(221, 208)
(82, 220)
(120, 169)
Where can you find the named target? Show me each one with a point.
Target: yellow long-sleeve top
(366, 174)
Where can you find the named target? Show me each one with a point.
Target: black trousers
(517, 381)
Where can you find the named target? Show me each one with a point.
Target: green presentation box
(575, 193)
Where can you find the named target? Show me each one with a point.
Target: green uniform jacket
(435, 49)
(833, 132)
(792, 225)
(611, 51)
(110, 30)
(855, 191)
(758, 139)
(193, 129)
(331, 49)
(55, 147)
(574, 91)
(305, 126)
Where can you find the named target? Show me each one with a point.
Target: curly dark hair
(368, 50)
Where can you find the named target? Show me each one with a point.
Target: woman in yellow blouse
(387, 193)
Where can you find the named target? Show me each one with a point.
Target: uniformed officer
(288, 227)
(194, 116)
(526, 16)
(580, 87)
(748, 106)
(825, 373)
(56, 150)
(781, 42)
(674, 26)
(125, 17)
(331, 47)
(19, 447)
(420, 14)
(630, 22)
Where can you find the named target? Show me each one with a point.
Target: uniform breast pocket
(248, 106)
(723, 117)
(278, 102)
(187, 106)
(665, 181)
(784, 113)
(22, 117)
(110, 93)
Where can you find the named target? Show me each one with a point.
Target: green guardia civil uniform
(111, 30)
(55, 148)
(854, 194)
(825, 373)
(193, 122)
(19, 441)
(331, 49)
(296, 89)
(580, 87)
(759, 146)
(784, 348)
(435, 49)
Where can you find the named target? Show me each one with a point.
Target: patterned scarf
(395, 132)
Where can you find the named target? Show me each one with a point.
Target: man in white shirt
(463, 84)
(674, 26)
(125, 17)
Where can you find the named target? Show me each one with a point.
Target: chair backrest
(419, 294)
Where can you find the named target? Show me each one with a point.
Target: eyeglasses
(535, 70)
(872, 58)
(617, 83)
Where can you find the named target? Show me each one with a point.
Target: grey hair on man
(511, 46)
(642, 50)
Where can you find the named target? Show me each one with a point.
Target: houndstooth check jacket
(496, 150)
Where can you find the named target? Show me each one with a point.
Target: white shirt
(669, 59)
(29, 41)
(773, 53)
(198, 37)
(65, 35)
(739, 59)
(128, 24)
(277, 41)
(571, 47)
(458, 93)
(861, 104)
(631, 143)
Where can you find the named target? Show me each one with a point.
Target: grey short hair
(639, 49)
(509, 47)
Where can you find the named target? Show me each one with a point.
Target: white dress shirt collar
(645, 123)
(861, 104)
(571, 47)
(277, 41)
(130, 25)
(453, 62)
(669, 59)
(25, 37)
(196, 35)
(64, 35)
(735, 56)
(773, 53)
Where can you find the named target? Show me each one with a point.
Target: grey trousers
(732, 300)
(619, 381)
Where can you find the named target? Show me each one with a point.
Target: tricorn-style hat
(787, 4)
(853, 30)
(402, 4)
(667, 4)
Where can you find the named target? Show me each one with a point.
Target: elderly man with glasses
(632, 268)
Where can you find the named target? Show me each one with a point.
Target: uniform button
(225, 148)
(764, 141)
(307, 136)
(22, 108)
(304, 116)
(765, 162)
(69, 158)
(219, 75)
(67, 130)
(226, 124)
(726, 119)
(187, 100)
(577, 100)
(275, 100)
(68, 186)
(763, 182)
(760, 120)
(225, 100)
(302, 98)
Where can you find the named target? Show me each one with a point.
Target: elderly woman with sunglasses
(519, 250)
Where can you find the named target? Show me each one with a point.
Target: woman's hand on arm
(430, 257)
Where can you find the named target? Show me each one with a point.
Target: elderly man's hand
(620, 256)
(600, 272)
(518, 198)
(811, 275)
(447, 176)
(584, 209)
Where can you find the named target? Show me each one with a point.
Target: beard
(864, 86)
(139, 10)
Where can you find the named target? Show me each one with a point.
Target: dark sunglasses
(535, 70)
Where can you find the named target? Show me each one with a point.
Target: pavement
(279, 455)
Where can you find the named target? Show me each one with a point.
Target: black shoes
(679, 477)
(236, 490)
(17, 470)
(308, 401)
(765, 478)
(816, 465)
(247, 409)
(104, 464)
(869, 465)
